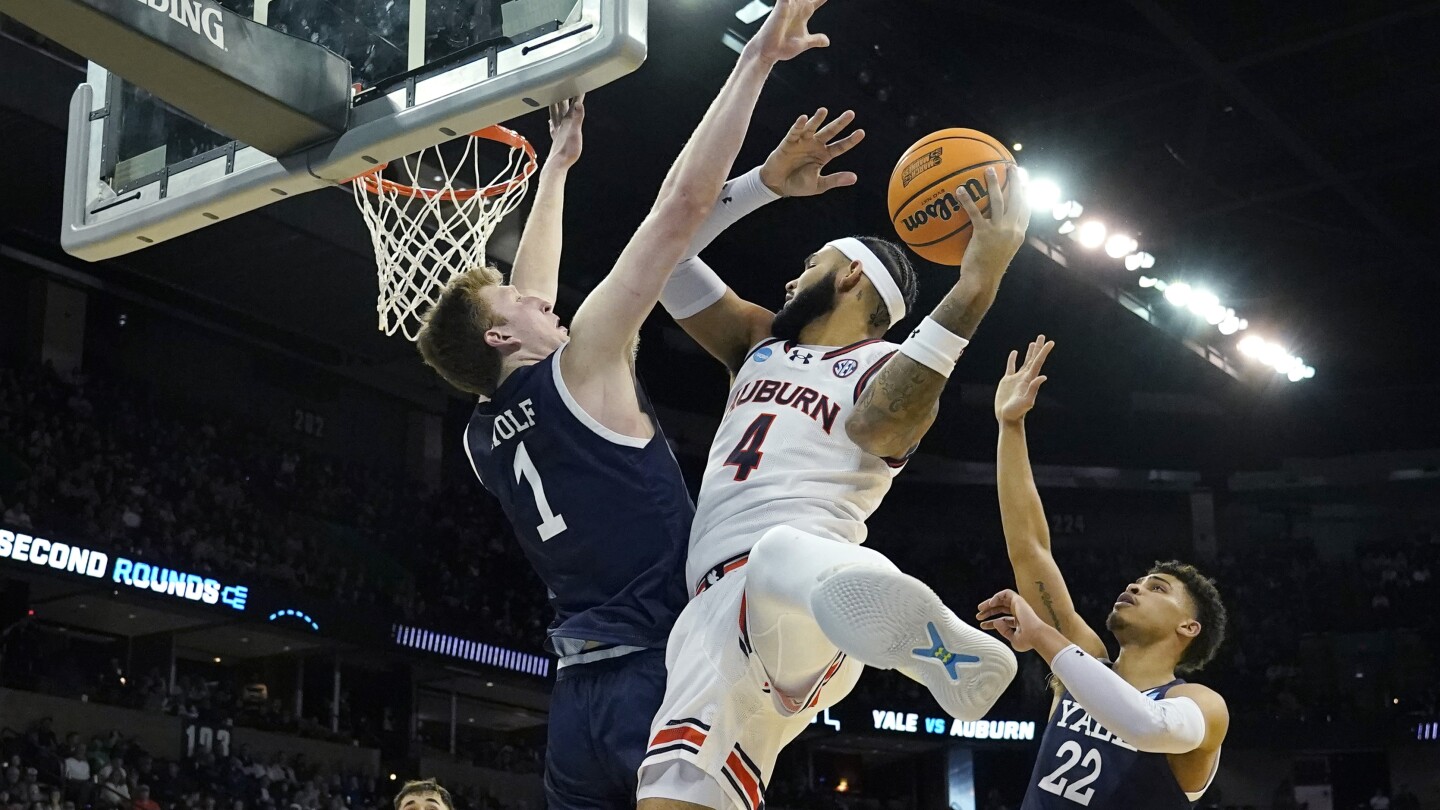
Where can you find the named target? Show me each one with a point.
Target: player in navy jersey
(567, 442)
(1124, 735)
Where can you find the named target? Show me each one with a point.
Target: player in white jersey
(822, 413)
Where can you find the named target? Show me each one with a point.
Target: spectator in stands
(114, 788)
(77, 775)
(142, 800)
(31, 789)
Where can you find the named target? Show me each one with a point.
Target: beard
(808, 306)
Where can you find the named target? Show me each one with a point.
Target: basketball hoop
(425, 233)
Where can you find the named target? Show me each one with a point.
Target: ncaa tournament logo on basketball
(203, 20)
(929, 160)
(846, 367)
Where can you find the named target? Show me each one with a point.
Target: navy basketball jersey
(604, 518)
(1084, 764)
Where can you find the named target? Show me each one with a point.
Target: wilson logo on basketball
(929, 160)
(202, 19)
(945, 206)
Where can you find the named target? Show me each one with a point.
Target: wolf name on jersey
(602, 517)
(1084, 764)
(782, 456)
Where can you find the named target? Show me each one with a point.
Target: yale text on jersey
(1074, 717)
(802, 398)
(508, 425)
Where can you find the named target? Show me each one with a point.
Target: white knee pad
(784, 569)
(786, 564)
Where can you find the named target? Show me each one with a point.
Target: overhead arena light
(1139, 261)
(1230, 325)
(1091, 234)
(754, 10)
(1250, 345)
(1146, 281)
(1067, 210)
(1118, 245)
(1178, 294)
(733, 41)
(1272, 355)
(1043, 193)
(1203, 302)
(1067, 226)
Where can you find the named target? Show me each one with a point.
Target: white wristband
(739, 198)
(692, 287)
(935, 347)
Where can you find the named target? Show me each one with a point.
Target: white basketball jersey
(782, 456)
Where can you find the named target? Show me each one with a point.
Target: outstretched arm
(596, 366)
(901, 403)
(1189, 718)
(1022, 515)
(709, 311)
(537, 260)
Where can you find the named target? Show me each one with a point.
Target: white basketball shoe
(891, 620)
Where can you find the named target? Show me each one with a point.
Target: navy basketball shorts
(600, 715)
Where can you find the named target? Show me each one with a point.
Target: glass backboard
(139, 171)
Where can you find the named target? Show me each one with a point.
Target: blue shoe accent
(938, 652)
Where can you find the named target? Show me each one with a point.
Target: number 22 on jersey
(551, 524)
(1078, 791)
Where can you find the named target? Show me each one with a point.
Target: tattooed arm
(899, 406)
(1022, 515)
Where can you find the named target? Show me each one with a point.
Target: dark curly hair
(1209, 611)
(894, 258)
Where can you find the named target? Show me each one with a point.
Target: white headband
(876, 271)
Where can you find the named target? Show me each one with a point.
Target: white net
(434, 222)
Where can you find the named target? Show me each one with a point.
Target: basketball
(923, 207)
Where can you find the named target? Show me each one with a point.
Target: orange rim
(373, 183)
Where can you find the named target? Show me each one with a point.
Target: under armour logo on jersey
(937, 651)
(797, 356)
(915, 334)
(726, 201)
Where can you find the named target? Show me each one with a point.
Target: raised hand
(786, 32)
(793, 169)
(1008, 614)
(566, 139)
(997, 237)
(1015, 395)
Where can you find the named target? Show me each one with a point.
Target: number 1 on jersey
(551, 524)
(746, 455)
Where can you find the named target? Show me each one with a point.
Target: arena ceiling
(1277, 155)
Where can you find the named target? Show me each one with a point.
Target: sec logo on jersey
(762, 354)
(846, 367)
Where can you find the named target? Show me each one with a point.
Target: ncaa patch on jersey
(846, 367)
(762, 354)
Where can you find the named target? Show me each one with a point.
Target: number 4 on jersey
(746, 455)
